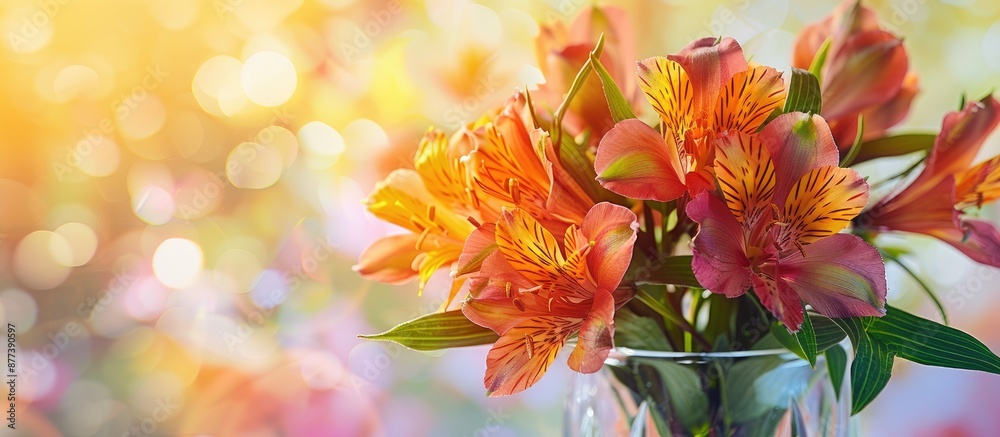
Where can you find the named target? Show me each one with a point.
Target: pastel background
(180, 206)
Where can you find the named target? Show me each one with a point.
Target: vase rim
(641, 353)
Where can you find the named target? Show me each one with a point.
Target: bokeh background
(180, 206)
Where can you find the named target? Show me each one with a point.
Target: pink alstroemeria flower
(866, 72)
(705, 89)
(936, 201)
(535, 291)
(784, 200)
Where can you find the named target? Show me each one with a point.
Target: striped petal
(635, 161)
(710, 63)
(749, 97)
(720, 262)
(820, 204)
(978, 185)
(534, 253)
(668, 89)
(523, 354)
(834, 284)
(745, 172)
(798, 144)
(780, 300)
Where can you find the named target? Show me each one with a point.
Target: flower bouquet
(714, 254)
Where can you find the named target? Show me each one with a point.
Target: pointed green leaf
(620, 109)
(894, 146)
(828, 333)
(927, 342)
(836, 366)
(870, 372)
(806, 339)
(437, 331)
(787, 339)
(816, 67)
(852, 153)
(804, 94)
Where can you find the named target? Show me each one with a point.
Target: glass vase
(733, 394)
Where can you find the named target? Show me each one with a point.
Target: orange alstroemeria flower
(433, 202)
(514, 165)
(536, 291)
(563, 50)
(866, 72)
(485, 167)
(707, 88)
(937, 201)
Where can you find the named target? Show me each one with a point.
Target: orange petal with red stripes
(820, 204)
(669, 91)
(749, 97)
(745, 172)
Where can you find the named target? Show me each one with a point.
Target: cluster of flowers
(542, 248)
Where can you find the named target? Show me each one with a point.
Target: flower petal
(720, 262)
(710, 63)
(529, 248)
(389, 259)
(820, 204)
(978, 185)
(798, 144)
(746, 176)
(523, 354)
(635, 161)
(962, 134)
(840, 276)
(668, 89)
(596, 335)
(780, 300)
(748, 99)
(977, 239)
(612, 229)
(869, 69)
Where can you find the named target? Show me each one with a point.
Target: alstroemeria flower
(536, 291)
(865, 72)
(514, 165)
(935, 202)
(776, 228)
(433, 202)
(705, 89)
(562, 52)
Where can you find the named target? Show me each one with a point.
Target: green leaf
(872, 365)
(574, 88)
(573, 158)
(668, 313)
(620, 109)
(639, 332)
(828, 333)
(852, 153)
(894, 146)
(836, 366)
(680, 385)
(816, 67)
(437, 331)
(806, 339)
(804, 93)
(674, 270)
(787, 339)
(927, 342)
